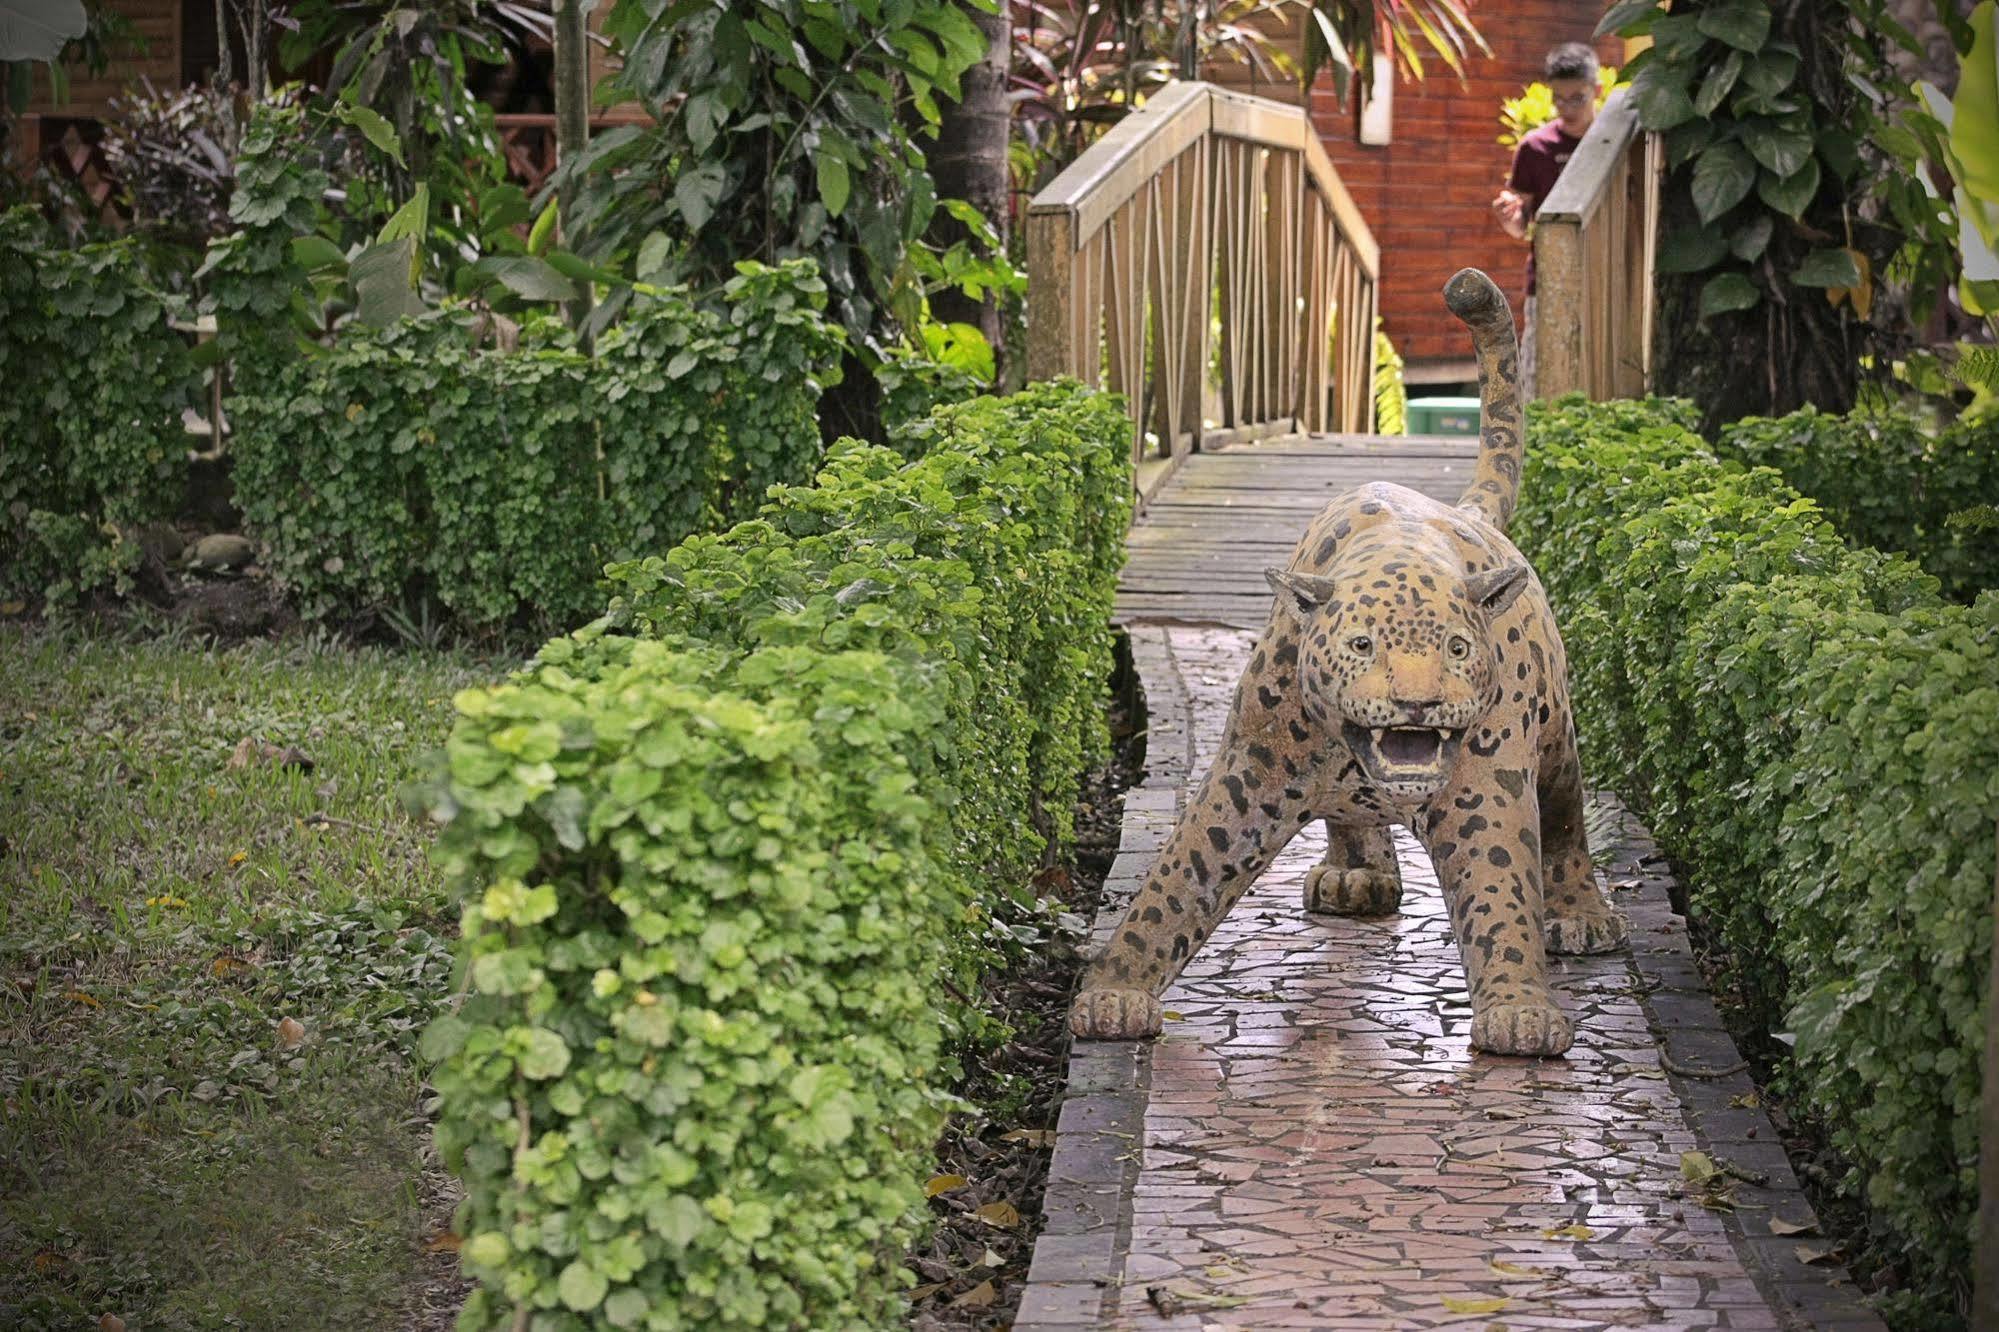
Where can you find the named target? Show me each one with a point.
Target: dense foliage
(405, 462)
(1886, 481)
(91, 439)
(1765, 107)
(722, 853)
(779, 129)
(1815, 735)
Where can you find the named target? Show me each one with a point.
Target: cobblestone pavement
(1311, 1144)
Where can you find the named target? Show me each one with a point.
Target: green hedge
(1887, 481)
(1815, 734)
(91, 439)
(403, 461)
(730, 855)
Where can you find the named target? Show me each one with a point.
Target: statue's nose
(1419, 709)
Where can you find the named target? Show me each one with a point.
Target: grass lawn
(212, 978)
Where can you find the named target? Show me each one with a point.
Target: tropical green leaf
(1827, 268)
(1752, 238)
(1727, 291)
(1691, 250)
(1624, 17)
(1790, 195)
(1776, 148)
(37, 30)
(1742, 24)
(528, 277)
(831, 169)
(1723, 177)
(373, 128)
(1715, 87)
(1660, 94)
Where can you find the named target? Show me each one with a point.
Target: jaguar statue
(1411, 674)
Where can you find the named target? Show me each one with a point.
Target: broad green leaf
(382, 287)
(1691, 250)
(1624, 14)
(444, 1038)
(627, 1307)
(316, 252)
(1660, 94)
(1728, 291)
(1778, 149)
(581, 1286)
(1771, 71)
(373, 128)
(543, 230)
(528, 277)
(697, 192)
(1974, 131)
(1743, 24)
(1714, 88)
(1723, 176)
(833, 181)
(654, 251)
(1752, 238)
(1790, 195)
(546, 1056)
(577, 268)
(1827, 268)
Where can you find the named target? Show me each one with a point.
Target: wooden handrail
(1595, 242)
(1207, 212)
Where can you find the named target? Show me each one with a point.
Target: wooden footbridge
(1311, 1143)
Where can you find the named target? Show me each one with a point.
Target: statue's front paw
(1522, 1029)
(1114, 1014)
(1332, 891)
(1586, 934)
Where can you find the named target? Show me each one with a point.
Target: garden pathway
(1311, 1144)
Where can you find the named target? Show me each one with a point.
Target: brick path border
(1098, 1154)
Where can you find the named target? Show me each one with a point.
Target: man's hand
(1510, 208)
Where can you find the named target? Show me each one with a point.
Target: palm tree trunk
(969, 162)
(572, 127)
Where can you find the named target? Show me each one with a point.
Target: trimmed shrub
(728, 858)
(403, 461)
(1815, 733)
(91, 439)
(1888, 482)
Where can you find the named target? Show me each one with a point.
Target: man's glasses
(1567, 100)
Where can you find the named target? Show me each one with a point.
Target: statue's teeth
(1377, 735)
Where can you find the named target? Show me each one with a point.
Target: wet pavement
(1312, 1144)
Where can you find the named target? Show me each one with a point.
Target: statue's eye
(1360, 645)
(1460, 647)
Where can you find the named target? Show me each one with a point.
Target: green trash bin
(1443, 416)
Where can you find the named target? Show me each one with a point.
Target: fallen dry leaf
(1698, 1167)
(943, 1184)
(1807, 1254)
(1506, 1112)
(1779, 1226)
(1489, 1304)
(1002, 1214)
(1746, 1101)
(238, 858)
(1577, 1232)
(1172, 1015)
(444, 1241)
(291, 1033)
(1504, 1268)
(924, 1292)
(991, 1259)
(1032, 1137)
(226, 965)
(978, 1297)
(110, 1322)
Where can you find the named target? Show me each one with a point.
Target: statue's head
(1396, 657)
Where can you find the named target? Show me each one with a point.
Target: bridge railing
(1204, 259)
(1595, 240)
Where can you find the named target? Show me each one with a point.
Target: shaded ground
(220, 938)
(993, 1163)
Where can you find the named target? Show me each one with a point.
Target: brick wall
(156, 26)
(1426, 194)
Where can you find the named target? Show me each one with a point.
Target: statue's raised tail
(1495, 485)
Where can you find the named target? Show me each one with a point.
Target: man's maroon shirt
(1537, 162)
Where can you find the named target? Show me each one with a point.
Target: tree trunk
(572, 127)
(969, 162)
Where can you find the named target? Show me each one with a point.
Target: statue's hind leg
(1359, 876)
(1579, 920)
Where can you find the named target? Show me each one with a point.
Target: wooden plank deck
(1202, 542)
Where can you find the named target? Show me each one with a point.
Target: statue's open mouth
(1403, 754)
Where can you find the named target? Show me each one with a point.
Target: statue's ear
(1299, 594)
(1495, 589)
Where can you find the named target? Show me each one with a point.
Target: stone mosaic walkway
(1311, 1143)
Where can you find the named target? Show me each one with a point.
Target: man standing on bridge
(1570, 70)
